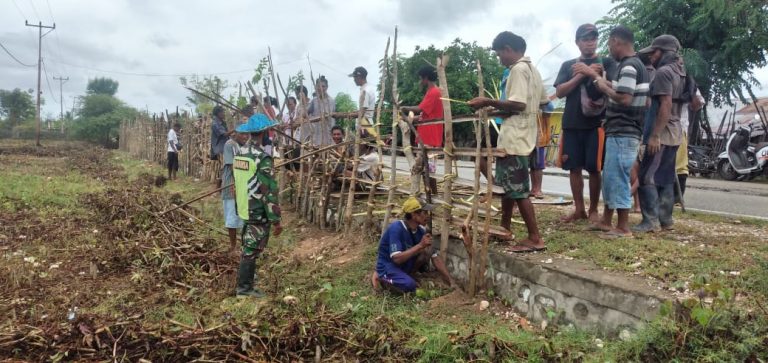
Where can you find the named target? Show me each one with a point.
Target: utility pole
(40, 27)
(61, 97)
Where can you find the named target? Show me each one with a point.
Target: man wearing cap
(406, 248)
(524, 96)
(257, 204)
(657, 167)
(581, 141)
(367, 102)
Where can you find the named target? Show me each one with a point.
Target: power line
(14, 58)
(19, 9)
(35, 10)
(48, 81)
(56, 35)
(162, 74)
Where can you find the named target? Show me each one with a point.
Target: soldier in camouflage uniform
(257, 204)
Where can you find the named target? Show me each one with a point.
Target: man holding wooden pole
(523, 96)
(257, 203)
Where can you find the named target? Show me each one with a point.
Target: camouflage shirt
(255, 186)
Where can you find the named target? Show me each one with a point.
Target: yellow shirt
(518, 133)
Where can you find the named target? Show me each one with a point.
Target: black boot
(245, 277)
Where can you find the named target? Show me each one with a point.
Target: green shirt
(255, 186)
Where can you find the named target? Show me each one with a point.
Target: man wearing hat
(582, 138)
(657, 167)
(405, 248)
(257, 204)
(367, 102)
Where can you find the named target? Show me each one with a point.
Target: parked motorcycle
(741, 159)
(700, 162)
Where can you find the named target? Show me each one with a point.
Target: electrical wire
(14, 57)
(162, 74)
(19, 9)
(48, 81)
(34, 8)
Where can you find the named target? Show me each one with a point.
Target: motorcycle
(741, 159)
(700, 161)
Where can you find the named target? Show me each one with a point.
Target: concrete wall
(587, 298)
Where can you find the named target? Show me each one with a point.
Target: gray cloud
(437, 15)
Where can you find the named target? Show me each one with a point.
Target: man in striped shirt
(627, 99)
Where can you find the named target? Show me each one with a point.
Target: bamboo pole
(393, 153)
(355, 164)
(489, 190)
(379, 150)
(470, 245)
(448, 140)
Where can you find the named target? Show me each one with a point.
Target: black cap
(666, 42)
(359, 72)
(585, 29)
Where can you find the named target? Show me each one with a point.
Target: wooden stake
(489, 191)
(448, 140)
(355, 164)
(393, 150)
(379, 150)
(476, 200)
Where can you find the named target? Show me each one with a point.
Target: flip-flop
(614, 235)
(596, 228)
(526, 249)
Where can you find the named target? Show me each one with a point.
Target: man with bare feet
(581, 141)
(627, 92)
(523, 96)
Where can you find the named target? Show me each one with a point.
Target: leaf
(702, 315)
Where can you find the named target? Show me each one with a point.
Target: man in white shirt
(173, 151)
(368, 104)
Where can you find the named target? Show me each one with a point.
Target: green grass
(21, 189)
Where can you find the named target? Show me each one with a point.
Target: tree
(16, 106)
(723, 40)
(102, 85)
(99, 119)
(209, 86)
(461, 73)
(344, 103)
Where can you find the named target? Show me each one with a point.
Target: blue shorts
(231, 219)
(620, 155)
(539, 158)
(582, 149)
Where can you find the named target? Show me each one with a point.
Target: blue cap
(257, 123)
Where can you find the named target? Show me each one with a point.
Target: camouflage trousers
(254, 237)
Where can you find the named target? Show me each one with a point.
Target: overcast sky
(162, 40)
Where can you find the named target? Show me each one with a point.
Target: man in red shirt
(430, 108)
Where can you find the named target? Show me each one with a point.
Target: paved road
(707, 195)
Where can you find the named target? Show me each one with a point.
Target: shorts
(173, 161)
(658, 169)
(620, 155)
(512, 176)
(494, 136)
(231, 219)
(538, 158)
(582, 149)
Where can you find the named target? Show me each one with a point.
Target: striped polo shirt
(630, 77)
